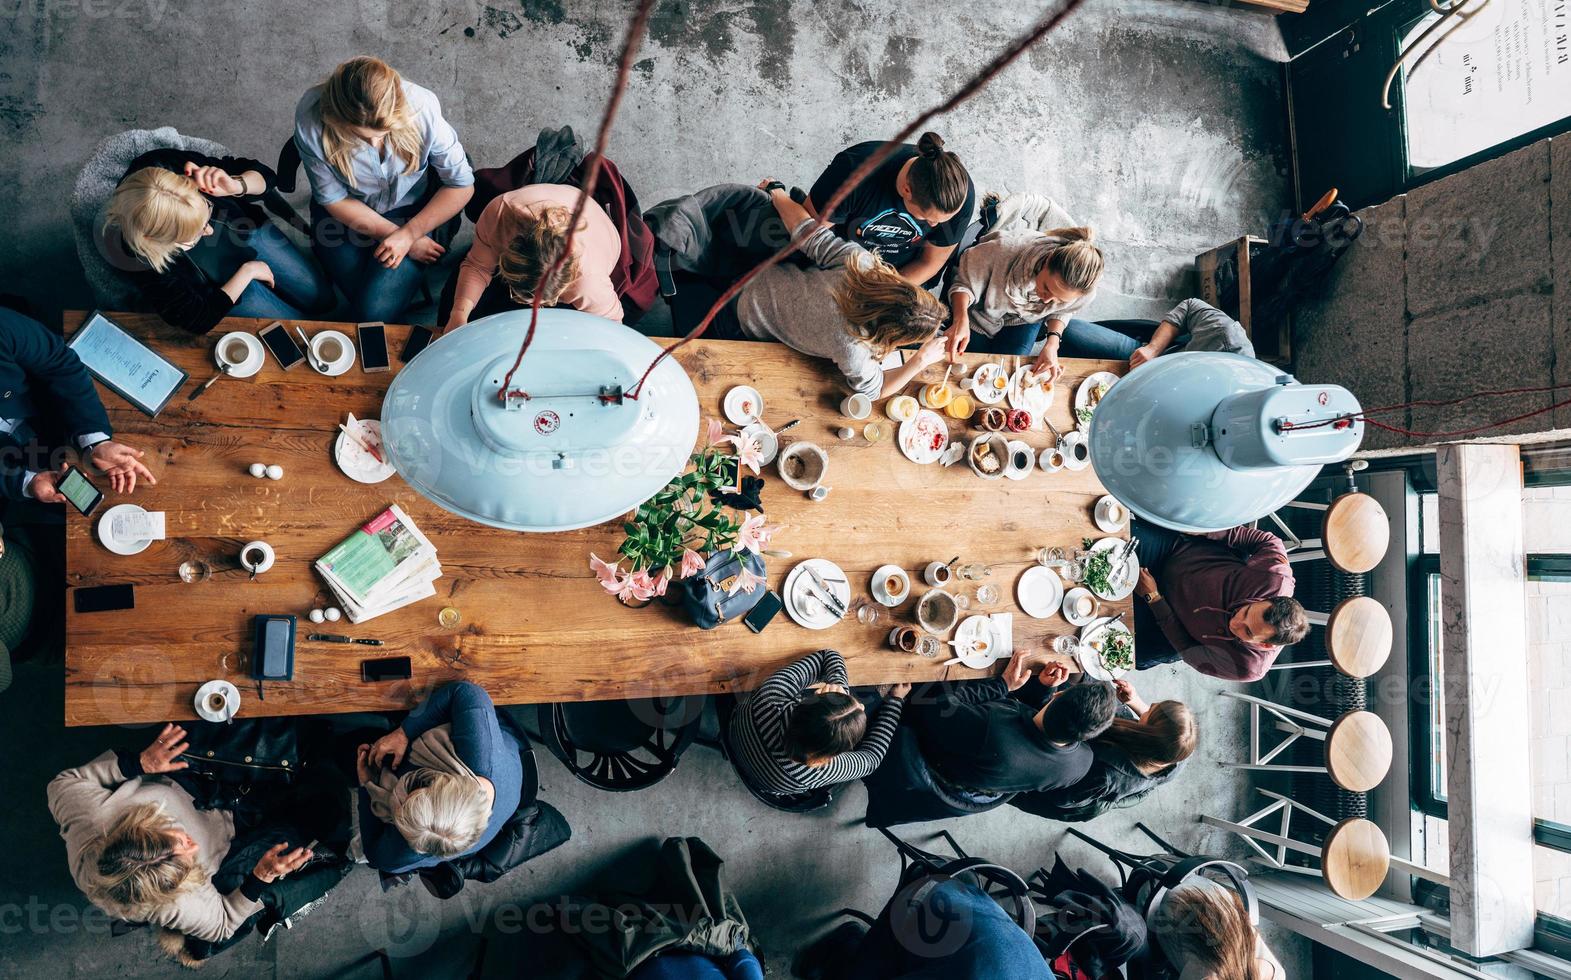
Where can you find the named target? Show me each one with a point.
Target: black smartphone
(103, 598)
(79, 490)
(419, 337)
(373, 347)
(385, 669)
(283, 346)
(768, 607)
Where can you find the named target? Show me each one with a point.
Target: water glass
(962, 601)
(1050, 557)
(987, 594)
(1073, 571)
(927, 646)
(868, 612)
(875, 431)
(972, 571)
(1066, 645)
(194, 570)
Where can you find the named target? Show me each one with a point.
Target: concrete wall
(1462, 285)
(1159, 122)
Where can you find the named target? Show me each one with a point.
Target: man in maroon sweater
(1222, 602)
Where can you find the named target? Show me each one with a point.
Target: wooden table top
(536, 626)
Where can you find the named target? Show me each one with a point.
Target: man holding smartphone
(39, 373)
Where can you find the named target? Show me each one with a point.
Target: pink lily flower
(749, 453)
(692, 563)
(637, 586)
(610, 576)
(745, 581)
(662, 581)
(753, 535)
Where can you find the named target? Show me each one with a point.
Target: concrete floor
(1158, 122)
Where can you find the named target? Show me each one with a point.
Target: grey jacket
(719, 232)
(1208, 329)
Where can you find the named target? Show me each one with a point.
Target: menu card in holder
(125, 365)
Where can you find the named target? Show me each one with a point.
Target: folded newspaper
(385, 565)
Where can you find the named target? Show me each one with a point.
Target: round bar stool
(1357, 745)
(1355, 858)
(1358, 637)
(1354, 533)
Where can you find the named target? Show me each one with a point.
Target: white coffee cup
(257, 557)
(233, 350)
(936, 574)
(856, 406)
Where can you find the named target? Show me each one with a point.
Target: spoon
(223, 371)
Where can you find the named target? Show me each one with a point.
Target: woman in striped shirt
(804, 730)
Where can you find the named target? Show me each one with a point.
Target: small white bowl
(743, 405)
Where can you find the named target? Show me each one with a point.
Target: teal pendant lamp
(575, 453)
(1206, 441)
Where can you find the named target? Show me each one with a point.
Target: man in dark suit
(43, 384)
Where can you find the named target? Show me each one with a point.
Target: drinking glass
(962, 601)
(987, 594)
(194, 570)
(875, 431)
(1073, 571)
(448, 617)
(1050, 557)
(927, 646)
(972, 571)
(1066, 645)
(868, 612)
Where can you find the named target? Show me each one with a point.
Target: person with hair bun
(441, 785)
(517, 238)
(1203, 929)
(1016, 280)
(804, 729)
(387, 175)
(911, 211)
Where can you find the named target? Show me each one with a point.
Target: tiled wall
(1461, 285)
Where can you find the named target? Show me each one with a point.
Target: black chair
(818, 799)
(621, 746)
(1145, 878)
(904, 790)
(1008, 889)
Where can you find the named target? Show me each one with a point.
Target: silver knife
(834, 600)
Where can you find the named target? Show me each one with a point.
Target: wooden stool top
(1355, 533)
(1355, 858)
(1358, 751)
(1358, 636)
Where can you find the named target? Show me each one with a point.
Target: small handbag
(226, 761)
(706, 596)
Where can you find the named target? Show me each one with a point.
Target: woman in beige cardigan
(140, 849)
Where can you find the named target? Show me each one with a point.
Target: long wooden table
(536, 626)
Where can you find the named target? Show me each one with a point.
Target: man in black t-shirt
(886, 215)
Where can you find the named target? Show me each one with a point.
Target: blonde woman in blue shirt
(387, 173)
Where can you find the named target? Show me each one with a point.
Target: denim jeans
(1082, 338)
(951, 930)
(299, 290)
(1018, 339)
(374, 291)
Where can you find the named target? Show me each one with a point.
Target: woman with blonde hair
(848, 306)
(439, 786)
(1203, 929)
(140, 849)
(518, 236)
(1016, 280)
(387, 175)
(1145, 747)
(198, 245)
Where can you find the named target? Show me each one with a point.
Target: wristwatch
(772, 186)
(1151, 597)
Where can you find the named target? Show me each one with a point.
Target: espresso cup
(257, 557)
(216, 703)
(936, 574)
(234, 352)
(1080, 451)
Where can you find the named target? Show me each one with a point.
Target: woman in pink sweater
(518, 237)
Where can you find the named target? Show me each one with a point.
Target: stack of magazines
(385, 565)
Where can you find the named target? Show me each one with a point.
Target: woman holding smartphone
(387, 174)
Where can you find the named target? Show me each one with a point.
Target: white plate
(357, 464)
(1031, 397)
(801, 594)
(1068, 448)
(1039, 592)
(1083, 393)
(917, 435)
(982, 384)
(976, 630)
(737, 402)
(1126, 585)
(115, 545)
(1090, 660)
(230, 693)
(1016, 447)
(768, 442)
(1070, 598)
(255, 356)
(882, 573)
(344, 362)
(1102, 518)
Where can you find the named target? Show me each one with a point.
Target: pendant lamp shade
(572, 454)
(1195, 441)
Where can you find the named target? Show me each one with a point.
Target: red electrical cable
(624, 68)
(1363, 416)
(979, 81)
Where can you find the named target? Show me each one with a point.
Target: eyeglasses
(206, 225)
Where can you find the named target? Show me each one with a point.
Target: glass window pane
(1429, 523)
(1437, 706)
(1552, 881)
(1485, 79)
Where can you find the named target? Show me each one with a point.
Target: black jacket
(39, 374)
(184, 294)
(1112, 781)
(978, 737)
(719, 232)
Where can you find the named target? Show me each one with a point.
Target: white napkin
(1003, 633)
